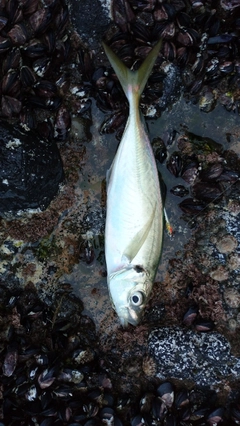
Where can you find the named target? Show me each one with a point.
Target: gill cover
(129, 289)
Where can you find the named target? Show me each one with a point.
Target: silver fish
(134, 223)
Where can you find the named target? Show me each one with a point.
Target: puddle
(87, 280)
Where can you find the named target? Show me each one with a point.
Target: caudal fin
(133, 82)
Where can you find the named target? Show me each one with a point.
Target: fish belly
(134, 205)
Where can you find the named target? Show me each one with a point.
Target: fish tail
(133, 82)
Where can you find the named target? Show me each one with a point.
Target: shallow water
(87, 280)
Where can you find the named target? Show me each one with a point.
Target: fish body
(134, 222)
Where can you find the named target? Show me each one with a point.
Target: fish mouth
(127, 317)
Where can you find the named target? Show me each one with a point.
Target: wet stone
(227, 244)
(232, 297)
(234, 262)
(219, 274)
(30, 169)
(204, 358)
(90, 20)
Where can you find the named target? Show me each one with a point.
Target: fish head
(129, 290)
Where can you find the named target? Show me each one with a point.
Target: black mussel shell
(3, 21)
(62, 20)
(211, 172)
(11, 83)
(196, 86)
(174, 164)
(10, 106)
(27, 76)
(199, 414)
(228, 176)
(212, 66)
(107, 415)
(29, 6)
(207, 191)
(159, 149)
(18, 34)
(169, 51)
(189, 170)
(183, 20)
(10, 360)
(181, 398)
(164, 12)
(204, 325)
(185, 413)
(50, 41)
(235, 413)
(141, 32)
(166, 393)
(138, 421)
(12, 60)
(165, 29)
(191, 206)
(14, 11)
(47, 422)
(62, 124)
(34, 49)
(45, 89)
(179, 191)
(5, 44)
(99, 76)
(113, 122)
(216, 416)
(221, 38)
(50, 104)
(198, 65)
(188, 37)
(122, 14)
(45, 129)
(46, 378)
(41, 66)
(159, 408)
(142, 51)
(190, 315)
(171, 420)
(226, 67)
(92, 422)
(40, 20)
(182, 56)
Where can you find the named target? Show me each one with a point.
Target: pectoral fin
(138, 240)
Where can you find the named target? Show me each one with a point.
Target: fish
(134, 212)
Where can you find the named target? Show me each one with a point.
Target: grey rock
(30, 169)
(204, 358)
(91, 19)
(172, 85)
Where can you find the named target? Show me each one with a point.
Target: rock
(227, 244)
(232, 297)
(90, 20)
(204, 358)
(219, 274)
(30, 169)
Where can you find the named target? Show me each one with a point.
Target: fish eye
(137, 298)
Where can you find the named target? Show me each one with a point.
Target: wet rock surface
(30, 169)
(46, 256)
(91, 20)
(204, 358)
